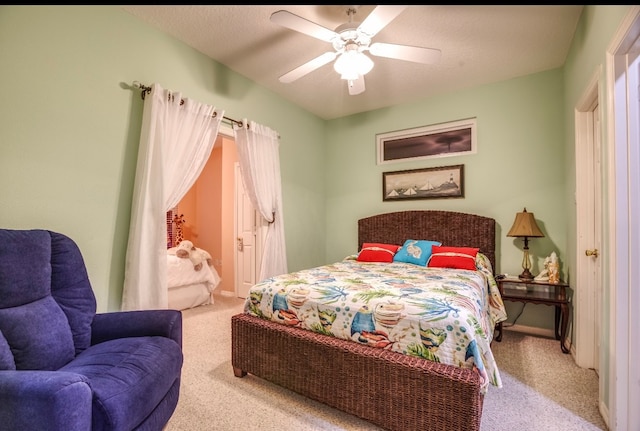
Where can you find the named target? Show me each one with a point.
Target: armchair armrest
(141, 323)
(52, 400)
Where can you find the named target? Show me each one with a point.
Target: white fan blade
(379, 18)
(406, 52)
(356, 86)
(297, 23)
(308, 67)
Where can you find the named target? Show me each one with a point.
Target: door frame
(624, 206)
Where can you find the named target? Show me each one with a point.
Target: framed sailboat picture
(429, 183)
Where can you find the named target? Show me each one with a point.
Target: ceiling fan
(350, 42)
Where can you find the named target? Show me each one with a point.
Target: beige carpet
(543, 388)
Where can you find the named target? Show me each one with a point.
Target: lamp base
(526, 275)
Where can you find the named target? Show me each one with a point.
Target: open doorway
(219, 219)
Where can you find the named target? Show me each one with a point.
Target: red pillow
(376, 252)
(453, 257)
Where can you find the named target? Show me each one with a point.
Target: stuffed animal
(186, 250)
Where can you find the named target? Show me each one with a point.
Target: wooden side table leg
(563, 331)
(499, 330)
(557, 329)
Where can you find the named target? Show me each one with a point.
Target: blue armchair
(64, 367)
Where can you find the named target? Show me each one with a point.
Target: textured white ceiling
(479, 44)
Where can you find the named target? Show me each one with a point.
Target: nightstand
(539, 292)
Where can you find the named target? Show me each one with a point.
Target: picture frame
(428, 183)
(456, 138)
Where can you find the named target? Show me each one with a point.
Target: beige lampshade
(525, 225)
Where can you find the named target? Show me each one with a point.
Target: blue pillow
(415, 251)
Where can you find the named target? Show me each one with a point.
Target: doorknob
(593, 252)
(240, 244)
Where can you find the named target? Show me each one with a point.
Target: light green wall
(70, 130)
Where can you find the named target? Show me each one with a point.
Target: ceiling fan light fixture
(352, 63)
(350, 41)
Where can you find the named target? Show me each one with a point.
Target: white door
(587, 287)
(245, 235)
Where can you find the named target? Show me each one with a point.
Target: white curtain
(257, 148)
(176, 140)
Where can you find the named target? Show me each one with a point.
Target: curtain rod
(146, 90)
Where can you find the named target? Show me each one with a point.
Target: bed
(374, 378)
(187, 287)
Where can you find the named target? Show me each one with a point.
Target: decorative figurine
(551, 271)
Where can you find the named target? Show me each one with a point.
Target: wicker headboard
(450, 228)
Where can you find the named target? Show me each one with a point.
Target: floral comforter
(443, 315)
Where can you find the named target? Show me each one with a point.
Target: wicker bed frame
(391, 390)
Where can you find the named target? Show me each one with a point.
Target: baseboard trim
(604, 411)
(227, 293)
(532, 330)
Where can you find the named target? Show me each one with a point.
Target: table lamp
(525, 226)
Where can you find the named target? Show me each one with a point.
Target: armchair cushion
(32, 322)
(39, 335)
(129, 377)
